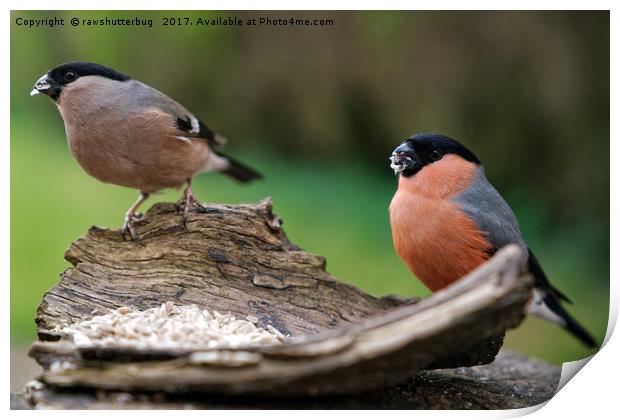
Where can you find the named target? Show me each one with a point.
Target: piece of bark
(230, 259)
(512, 381)
(237, 259)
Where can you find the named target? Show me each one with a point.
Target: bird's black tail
(546, 303)
(239, 171)
(570, 323)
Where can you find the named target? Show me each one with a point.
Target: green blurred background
(318, 110)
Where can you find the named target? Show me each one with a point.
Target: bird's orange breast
(438, 242)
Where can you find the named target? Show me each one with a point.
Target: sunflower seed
(169, 326)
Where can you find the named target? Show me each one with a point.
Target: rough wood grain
(230, 258)
(237, 259)
(512, 381)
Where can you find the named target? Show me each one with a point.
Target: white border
(591, 393)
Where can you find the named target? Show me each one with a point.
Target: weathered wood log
(232, 259)
(237, 259)
(512, 381)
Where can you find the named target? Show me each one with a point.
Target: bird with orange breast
(447, 219)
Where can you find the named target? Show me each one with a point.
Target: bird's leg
(189, 201)
(131, 216)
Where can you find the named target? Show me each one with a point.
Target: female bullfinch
(124, 132)
(447, 219)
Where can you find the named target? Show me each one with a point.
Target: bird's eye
(70, 76)
(435, 155)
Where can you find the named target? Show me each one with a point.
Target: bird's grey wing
(495, 218)
(487, 208)
(143, 95)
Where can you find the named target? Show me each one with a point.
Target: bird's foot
(132, 216)
(188, 203)
(138, 217)
(128, 228)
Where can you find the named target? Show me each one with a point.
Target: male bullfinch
(124, 132)
(447, 219)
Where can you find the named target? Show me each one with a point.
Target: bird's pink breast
(139, 150)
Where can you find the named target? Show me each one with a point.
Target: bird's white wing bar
(195, 125)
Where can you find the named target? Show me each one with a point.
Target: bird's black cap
(423, 149)
(53, 82)
(82, 68)
(444, 144)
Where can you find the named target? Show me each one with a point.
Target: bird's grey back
(138, 95)
(487, 208)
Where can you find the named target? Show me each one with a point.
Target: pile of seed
(171, 327)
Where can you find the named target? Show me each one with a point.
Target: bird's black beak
(403, 158)
(47, 86)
